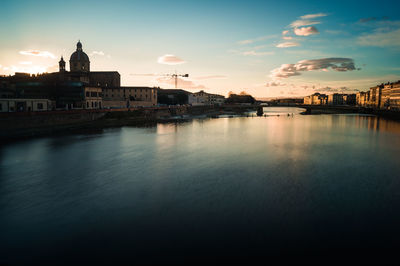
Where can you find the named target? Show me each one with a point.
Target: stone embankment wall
(19, 125)
(14, 125)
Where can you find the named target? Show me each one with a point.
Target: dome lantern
(79, 46)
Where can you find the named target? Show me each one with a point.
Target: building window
(99, 104)
(1, 107)
(92, 105)
(39, 106)
(87, 94)
(87, 104)
(95, 104)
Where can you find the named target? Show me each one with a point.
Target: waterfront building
(286, 101)
(93, 98)
(332, 99)
(125, 97)
(349, 99)
(395, 96)
(319, 99)
(374, 97)
(24, 105)
(385, 96)
(307, 100)
(216, 99)
(335, 99)
(316, 99)
(172, 96)
(204, 98)
(362, 98)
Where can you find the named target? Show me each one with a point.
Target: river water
(311, 188)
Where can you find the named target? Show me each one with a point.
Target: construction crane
(175, 76)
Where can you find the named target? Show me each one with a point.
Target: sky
(266, 48)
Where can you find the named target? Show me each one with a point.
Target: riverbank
(37, 124)
(326, 109)
(14, 126)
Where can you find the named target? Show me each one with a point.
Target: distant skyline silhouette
(268, 49)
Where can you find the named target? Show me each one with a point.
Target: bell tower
(61, 65)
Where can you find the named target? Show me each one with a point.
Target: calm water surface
(272, 187)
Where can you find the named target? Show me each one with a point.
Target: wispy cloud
(37, 53)
(369, 19)
(97, 53)
(25, 63)
(306, 31)
(250, 41)
(255, 53)
(285, 32)
(381, 38)
(335, 32)
(170, 59)
(246, 42)
(302, 23)
(289, 70)
(275, 84)
(311, 16)
(288, 44)
(329, 89)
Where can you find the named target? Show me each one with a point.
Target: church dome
(79, 56)
(79, 60)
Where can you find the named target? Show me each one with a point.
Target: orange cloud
(170, 59)
(38, 53)
(306, 31)
(288, 44)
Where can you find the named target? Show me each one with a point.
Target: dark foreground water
(280, 188)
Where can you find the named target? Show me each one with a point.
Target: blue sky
(329, 46)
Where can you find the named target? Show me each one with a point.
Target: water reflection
(253, 186)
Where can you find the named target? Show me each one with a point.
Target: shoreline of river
(97, 122)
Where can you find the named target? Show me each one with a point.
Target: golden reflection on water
(378, 124)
